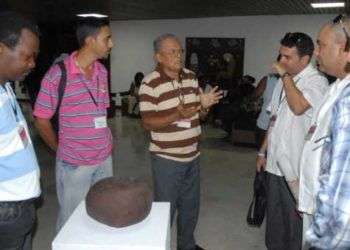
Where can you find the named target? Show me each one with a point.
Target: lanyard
(281, 98)
(90, 93)
(181, 96)
(11, 97)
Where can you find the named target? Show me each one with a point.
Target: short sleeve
(313, 91)
(46, 102)
(148, 100)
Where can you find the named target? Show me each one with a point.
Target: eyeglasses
(339, 20)
(174, 52)
(293, 37)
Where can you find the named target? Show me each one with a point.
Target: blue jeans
(73, 183)
(16, 225)
(179, 184)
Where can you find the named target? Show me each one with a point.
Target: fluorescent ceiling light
(92, 15)
(328, 5)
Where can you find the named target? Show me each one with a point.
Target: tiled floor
(226, 182)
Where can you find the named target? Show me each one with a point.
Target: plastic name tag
(310, 132)
(23, 135)
(101, 122)
(183, 123)
(273, 120)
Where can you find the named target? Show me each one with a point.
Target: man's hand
(260, 163)
(187, 112)
(46, 132)
(210, 98)
(279, 68)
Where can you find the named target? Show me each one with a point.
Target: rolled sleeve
(313, 91)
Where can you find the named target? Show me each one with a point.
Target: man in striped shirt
(325, 165)
(84, 143)
(171, 104)
(19, 170)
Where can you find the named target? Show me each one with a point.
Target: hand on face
(210, 98)
(279, 68)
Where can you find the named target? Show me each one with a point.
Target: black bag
(257, 208)
(61, 87)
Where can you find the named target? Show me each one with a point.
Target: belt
(16, 203)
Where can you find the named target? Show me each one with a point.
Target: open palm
(210, 98)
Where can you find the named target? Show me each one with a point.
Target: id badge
(23, 135)
(273, 120)
(101, 122)
(183, 123)
(310, 132)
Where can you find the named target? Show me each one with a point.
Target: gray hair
(157, 43)
(337, 28)
(340, 35)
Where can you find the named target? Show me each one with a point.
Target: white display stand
(84, 233)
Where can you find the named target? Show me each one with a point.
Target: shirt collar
(72, 65)
(3, 86)
(304, 72)
(339, 82)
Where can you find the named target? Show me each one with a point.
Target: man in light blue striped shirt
(330, 227)
(19, 170)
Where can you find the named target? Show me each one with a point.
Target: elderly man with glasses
(296, 96)
(171, 104)
(325, 164)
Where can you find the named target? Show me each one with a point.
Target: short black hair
(301, 41)
(89, 26)
(11, 26)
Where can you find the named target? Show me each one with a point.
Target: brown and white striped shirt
(159, 96)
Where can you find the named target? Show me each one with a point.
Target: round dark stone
(119, 202)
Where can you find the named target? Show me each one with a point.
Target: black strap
(62, 84)
(60, 92)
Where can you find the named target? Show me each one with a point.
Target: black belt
(16, 203)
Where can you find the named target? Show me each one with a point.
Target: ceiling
(50, 10)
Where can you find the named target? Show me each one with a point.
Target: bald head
(331, 52)
(341, 29)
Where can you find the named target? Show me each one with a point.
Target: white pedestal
(84, 233)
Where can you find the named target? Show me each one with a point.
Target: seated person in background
(133, 98)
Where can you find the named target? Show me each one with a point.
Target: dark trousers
(178, 183)
(16, 224)
(283, 224)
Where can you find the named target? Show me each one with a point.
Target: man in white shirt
(297, 94)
